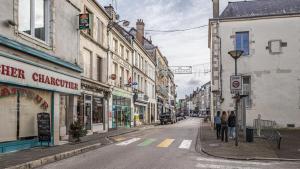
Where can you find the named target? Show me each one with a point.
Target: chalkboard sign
(44, 128)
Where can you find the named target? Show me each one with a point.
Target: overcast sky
(187, 48)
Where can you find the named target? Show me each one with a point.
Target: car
(167, 117)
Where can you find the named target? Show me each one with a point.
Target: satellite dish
(117, 16)
(126, 23)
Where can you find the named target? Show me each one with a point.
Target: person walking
(224, 126)
(217, 121)
(231, 125)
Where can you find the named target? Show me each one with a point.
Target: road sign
(181, 69)
(235, 83)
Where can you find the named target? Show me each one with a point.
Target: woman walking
(224, 126)
(217, 121)
(231, 125)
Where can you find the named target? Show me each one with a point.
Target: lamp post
(235, 54)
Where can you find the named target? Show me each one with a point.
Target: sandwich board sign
(236, 84)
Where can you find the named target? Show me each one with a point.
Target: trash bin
(249, 134)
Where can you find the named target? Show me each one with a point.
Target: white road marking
(125, 143)
(213, 166)
(233, 161)
(185, 144)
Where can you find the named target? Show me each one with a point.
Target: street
(161, 147)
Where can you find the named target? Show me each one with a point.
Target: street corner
(117, 139)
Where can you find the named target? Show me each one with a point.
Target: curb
(64, 155)
(135, 130)
(237, 158)
(56, 157)
(249, 158)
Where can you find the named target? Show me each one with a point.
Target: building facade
(144, 77)
(268, 66)
(38, 71)
(120, 74)
(93, 104)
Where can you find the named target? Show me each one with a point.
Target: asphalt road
(161, 147)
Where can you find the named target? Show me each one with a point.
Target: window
(122, 51)
(142, 63)
(127, 77)
(122, 77)
(242, 42)
(100, 31)
(87, 59)
(33, 18)
(116, 45)
(146, 68)
(127, 55)
(99, 67)
(98, 110)
(247, 90)
(89, 30)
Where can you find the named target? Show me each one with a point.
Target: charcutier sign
(16, 72)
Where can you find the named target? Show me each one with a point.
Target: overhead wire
(175, 30)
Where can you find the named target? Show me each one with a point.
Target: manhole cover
(214, 145)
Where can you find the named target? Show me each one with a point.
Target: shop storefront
(141, 109)
(92, 107)
(26, 89)
(121, 115)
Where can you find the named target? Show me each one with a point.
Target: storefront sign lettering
(7, 91)
(16, 72)
(12, 71)
(53, 81)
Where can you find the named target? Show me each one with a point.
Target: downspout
(221, 68)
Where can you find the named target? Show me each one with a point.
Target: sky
(188, 48)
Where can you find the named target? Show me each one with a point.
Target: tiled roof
(260, 8)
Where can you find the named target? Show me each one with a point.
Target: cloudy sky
(188, 48)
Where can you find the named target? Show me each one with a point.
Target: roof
(148, 46)
(256, 8)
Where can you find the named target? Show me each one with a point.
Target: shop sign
(6, 91)
(44, 128)
(121, 94)
(84, 21)
(120, 61)
(24, 74)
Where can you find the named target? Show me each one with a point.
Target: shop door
(114, 117)
(88, 112)
(121, 116)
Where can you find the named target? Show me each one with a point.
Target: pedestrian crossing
(214, 163)
(159, 143)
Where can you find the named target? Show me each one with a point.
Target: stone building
(269, 65)
(93, 104)
(39, 72)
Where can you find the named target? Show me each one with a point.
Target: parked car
(167, 117)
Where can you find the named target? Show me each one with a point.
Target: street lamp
(235, 54)
(125, 23)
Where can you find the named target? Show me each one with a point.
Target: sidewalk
(41, 155)
(259, 149)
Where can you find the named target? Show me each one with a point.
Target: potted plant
(77, 130)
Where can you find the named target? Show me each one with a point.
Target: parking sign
(235, 83)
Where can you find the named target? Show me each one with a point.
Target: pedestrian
(231, 125)
(224, 126)
(217, 121)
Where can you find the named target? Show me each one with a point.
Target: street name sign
(235, 84)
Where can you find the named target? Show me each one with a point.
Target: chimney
(216, 8)
(140, 25)
(111, 12)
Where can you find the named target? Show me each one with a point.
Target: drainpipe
(221, 68)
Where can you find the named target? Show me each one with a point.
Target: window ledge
(89, 37)
(35, 41)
